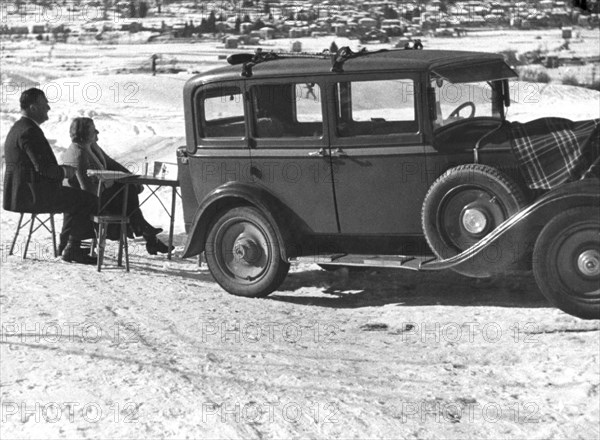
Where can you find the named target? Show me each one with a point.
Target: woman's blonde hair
(79, 129)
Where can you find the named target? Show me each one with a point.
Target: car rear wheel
(243, 253)
(566, 262)
(464, 205)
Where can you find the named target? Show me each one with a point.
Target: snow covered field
(163, 352)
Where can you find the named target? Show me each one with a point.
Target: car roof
(398, 60)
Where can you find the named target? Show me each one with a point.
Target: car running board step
(395, 261)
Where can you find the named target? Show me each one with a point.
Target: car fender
(518, 233)
(287, 226)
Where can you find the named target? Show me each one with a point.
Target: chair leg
(125, 245)
(100, 240)
(29, 236)
(12, 246)
(53, 232)
(101, 243)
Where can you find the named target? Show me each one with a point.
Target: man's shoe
(154, 245)
(61, 248)
(62, 244)
(77, 255)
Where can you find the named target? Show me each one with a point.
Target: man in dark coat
(33, 178)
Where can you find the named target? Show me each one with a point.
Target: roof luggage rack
(345, 53)
(249, 60)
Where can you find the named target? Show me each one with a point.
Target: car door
(290, 148)
(378, 158)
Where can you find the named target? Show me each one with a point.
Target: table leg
(123, 232)
(124, 244)
(172, 222)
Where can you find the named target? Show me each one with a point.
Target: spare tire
(465, 204)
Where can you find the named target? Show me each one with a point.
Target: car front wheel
(566, 262)
(243, 253)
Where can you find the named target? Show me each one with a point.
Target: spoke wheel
(566, 262)
(243, 253)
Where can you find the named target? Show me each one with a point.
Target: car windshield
(457, 101)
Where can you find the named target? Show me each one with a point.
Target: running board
(393, 261)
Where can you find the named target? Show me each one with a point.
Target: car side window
(378, 107)
(222, 113)
(287, 110)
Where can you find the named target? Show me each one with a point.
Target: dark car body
(338, 154)
(362, 190)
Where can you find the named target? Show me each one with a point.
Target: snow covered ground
(163, 352)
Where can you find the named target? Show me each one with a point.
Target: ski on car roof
(249, 60)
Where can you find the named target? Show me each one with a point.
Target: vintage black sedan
(394, 158)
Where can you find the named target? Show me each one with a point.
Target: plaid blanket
(553, 151)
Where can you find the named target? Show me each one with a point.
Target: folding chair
(32, 228)
(103, 222)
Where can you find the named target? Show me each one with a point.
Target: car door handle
(322, 152)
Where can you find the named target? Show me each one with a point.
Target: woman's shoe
(143, 228)
(154, 245)
(151, 230)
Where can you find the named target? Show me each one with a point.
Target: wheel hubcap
(247, 250)
(474, 221)
(588, 263)
(467, 214)
(242, 250)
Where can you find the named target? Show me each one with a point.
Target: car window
(287, 110)
(455, 102)
(308, 103)
(222, 113)
(378, 107)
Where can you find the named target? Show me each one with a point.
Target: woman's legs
(139, 225)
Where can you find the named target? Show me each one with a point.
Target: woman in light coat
(84, 154)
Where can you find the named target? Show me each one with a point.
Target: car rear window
(222, 113)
